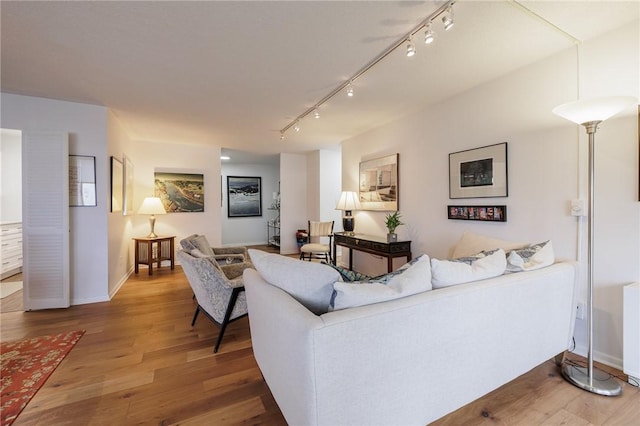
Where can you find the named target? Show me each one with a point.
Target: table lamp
(590, 113)
(348, 201)
(152, 206)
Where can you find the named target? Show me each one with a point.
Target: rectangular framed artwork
(82, 181)
(180, 192)
(479, 172)
(117, 185)
(127, 208)
(481, 213)
(378, 183)
(244, 196)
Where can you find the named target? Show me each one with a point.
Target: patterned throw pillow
(415, 277)
(529, 258)
(347, 274)
(481, 266)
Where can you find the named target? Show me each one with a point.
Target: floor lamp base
(601, 382)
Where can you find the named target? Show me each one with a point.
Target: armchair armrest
(235, 270)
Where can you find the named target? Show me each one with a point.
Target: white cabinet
(11, 241)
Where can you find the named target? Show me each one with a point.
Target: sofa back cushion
(309, 283)
(472, 243)
(483, 265)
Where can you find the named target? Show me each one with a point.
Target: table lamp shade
(152, 206)
(348, 201)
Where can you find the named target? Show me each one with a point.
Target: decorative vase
(392, 237)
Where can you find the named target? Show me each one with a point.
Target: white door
(45, 220)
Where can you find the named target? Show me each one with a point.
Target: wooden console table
(372, 244)
(154, 250)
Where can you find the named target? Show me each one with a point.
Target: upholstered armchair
(218, 289)
(224, 255)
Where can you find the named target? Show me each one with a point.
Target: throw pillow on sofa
(309, 283)
(529, 258)
(445, 273)
(412, 279)
(472, 243)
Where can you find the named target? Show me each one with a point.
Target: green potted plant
(392, 221)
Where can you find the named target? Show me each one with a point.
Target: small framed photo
(481, 213)
(82, 181)
(479, 172)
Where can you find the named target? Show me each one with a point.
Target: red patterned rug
(26, 365)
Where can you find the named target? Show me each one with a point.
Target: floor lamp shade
(152, 206)
(348, 202)
(590, 113)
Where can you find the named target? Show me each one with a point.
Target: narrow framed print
(82, 181)
(117, 185)
(481, 213)
(378, 184)
(479, 172)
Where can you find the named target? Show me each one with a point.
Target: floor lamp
(590, 113)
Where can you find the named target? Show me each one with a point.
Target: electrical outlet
(581, 311)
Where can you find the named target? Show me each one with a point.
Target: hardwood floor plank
(141, 362)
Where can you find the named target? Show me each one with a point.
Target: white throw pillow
(445, 273)
(309, 283)
(472, 243)
(529, 258)
(412, 279)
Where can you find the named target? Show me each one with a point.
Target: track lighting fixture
(411, 48)
(350, 90)
(444, 12)
(447, 19)
(429, 36)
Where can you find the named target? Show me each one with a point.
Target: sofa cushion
(472, 243)
(529, 258)
(414, 278)
(309, 283)
(445, 273)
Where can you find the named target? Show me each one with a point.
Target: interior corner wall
(546, 164)
(313, 186)
(87, 129)
(147, 157)
(330, 187)
(10, 187)
(119, 225)
(293, 204)
(245, 231)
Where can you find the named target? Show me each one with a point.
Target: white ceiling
(234, 73)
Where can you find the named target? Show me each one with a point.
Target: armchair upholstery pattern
(218, 289)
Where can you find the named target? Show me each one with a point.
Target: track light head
(281, 136)
(296, 127)
(350, 90)
(447, 19)
(411, 48)
(316, 113)
(429, 36)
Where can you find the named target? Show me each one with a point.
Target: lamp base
(601, 383)
(348, 224)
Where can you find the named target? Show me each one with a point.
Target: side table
(150, 250)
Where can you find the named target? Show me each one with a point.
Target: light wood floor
(140, 362)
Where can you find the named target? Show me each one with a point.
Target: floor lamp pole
(589, 379)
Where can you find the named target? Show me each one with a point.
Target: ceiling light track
(426, 23)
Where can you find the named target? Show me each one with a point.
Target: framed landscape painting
(479, 172)
(180, 192)
(244, 196)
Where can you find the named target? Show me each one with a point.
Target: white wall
(293, 204)
(244, 231)
(11, 176)
(178, 158)
(547, 164)
(120, 227)
(87, 128)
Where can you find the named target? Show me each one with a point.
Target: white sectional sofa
(411, 360)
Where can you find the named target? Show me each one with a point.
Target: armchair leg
(195, 315)
(227, 315)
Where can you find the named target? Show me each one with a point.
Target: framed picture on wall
(117, 187)
(180, 192)
(378, 184)
(244, 196)
(479, 172)
(82, 181)
(128, 187)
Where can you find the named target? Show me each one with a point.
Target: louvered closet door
(45, 220)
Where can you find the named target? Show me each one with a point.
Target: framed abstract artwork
(244, 196)
(479, 172)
